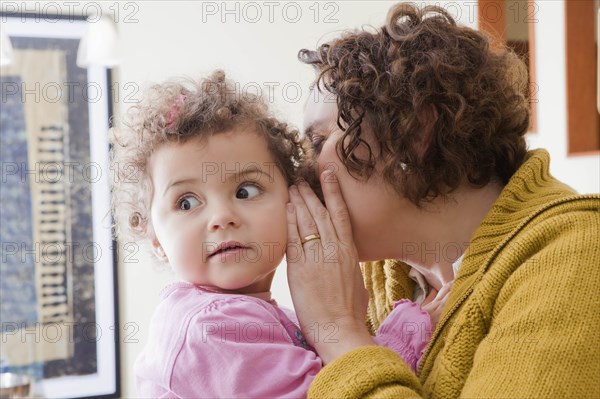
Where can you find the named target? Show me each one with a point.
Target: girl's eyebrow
(250, 169)
(179, 182)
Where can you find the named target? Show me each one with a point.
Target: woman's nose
(223, 216)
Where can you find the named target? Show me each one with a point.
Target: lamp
(99, 45)
(6, 50)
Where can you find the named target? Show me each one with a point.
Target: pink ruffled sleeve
(407, 330)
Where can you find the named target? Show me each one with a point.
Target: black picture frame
(85, 315)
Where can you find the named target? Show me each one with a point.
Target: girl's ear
(158, 250)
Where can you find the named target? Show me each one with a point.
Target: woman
(419, 134)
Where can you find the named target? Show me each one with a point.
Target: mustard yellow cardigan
(523, 317)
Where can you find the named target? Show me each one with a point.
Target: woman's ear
(158, 250)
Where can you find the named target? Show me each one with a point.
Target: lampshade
(99, 45)
(6, 50)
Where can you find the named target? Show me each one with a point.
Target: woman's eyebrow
(310, 131)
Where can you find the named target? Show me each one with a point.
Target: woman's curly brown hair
(445, 106)
(178, 111)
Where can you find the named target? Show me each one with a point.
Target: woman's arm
(367, 372)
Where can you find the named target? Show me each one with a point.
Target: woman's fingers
(436, 306)
(306, 225)
(444, 291)
(336, 206)
(294, 252)
(319, 213)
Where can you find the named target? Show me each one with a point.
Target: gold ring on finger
(310, 237)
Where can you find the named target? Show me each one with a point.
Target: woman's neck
(442, 230)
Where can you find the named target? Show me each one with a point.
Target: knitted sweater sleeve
(367, 372)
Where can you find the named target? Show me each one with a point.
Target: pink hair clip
(174, 112)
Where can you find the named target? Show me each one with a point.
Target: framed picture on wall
(57, 276)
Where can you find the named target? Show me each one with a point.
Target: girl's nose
(223, 216)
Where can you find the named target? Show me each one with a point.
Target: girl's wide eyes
(247, 191)
(188, 202)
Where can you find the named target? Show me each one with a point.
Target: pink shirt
(210, 345)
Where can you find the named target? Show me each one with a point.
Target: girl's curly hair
(177, 111)
(445, 106)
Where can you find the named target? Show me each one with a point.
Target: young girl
(202, 178)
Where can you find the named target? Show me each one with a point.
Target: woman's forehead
(320, 110)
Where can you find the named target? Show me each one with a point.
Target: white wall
(167, 39)
(581, 172)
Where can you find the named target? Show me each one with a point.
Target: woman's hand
(325, 280)
(435, 301)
